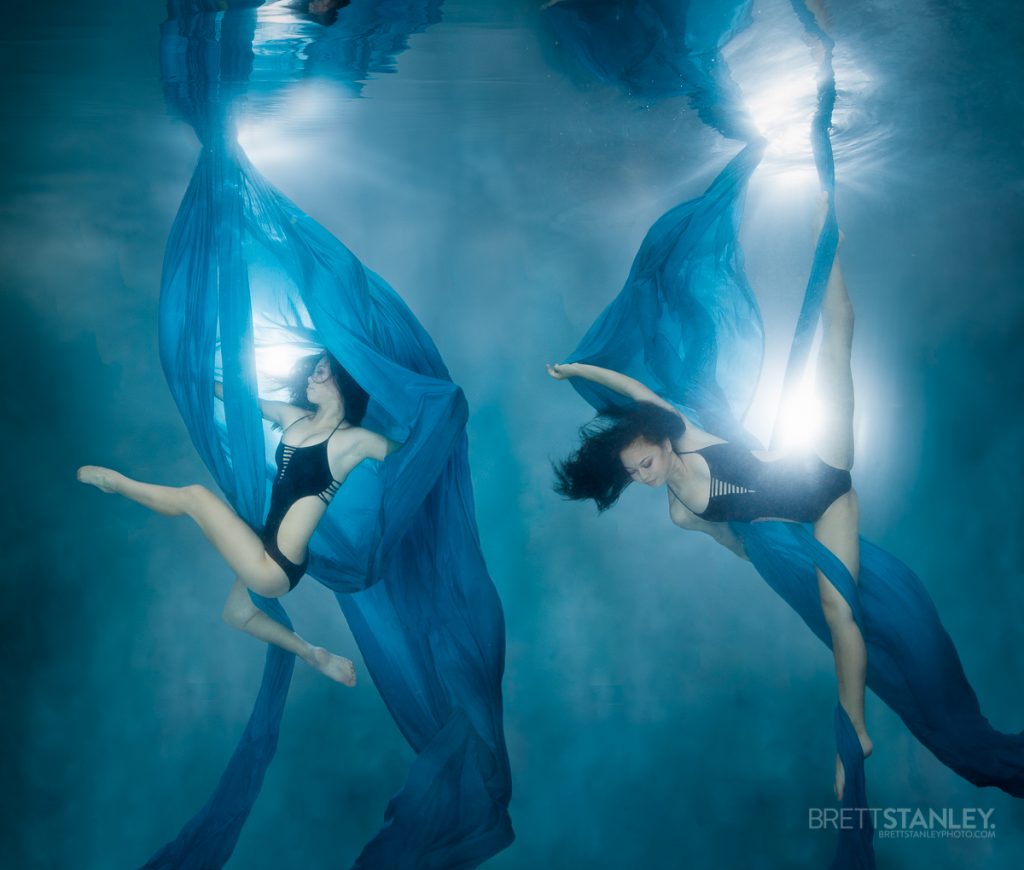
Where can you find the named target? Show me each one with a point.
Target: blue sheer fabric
(686, 322)
(687, 325)
(246, 271)
(662, 48)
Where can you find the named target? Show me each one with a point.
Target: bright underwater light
(277, 360)
(781, 109)
(801, 418)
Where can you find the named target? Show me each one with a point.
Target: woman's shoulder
(359, 443)
(351, 438)
(289, 415)
(281, 414)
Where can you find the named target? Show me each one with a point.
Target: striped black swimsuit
(301, 471)
(744, 488)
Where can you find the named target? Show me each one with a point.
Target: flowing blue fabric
(687, 325)
(686, 322)
(828, 238)
(246, 270)
(662, 48)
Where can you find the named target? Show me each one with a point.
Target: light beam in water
(781, 107)
(277, 360)
(801, 419)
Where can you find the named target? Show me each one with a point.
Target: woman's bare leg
(241, 549)
(837, 530)
(833, 377)
(235, 541)
(838, 527)
(239, 612)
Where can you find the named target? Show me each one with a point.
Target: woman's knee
(238, 609)
(194, 495)
(835, 609)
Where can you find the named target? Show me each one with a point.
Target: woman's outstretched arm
(620, 383)
(281, 413)
(376, 446)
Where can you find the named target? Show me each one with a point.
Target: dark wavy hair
(595, 470)
(354, 396)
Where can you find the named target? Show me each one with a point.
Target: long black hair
(595, 470)
(354, 396)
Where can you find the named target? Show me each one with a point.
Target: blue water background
(663, 707)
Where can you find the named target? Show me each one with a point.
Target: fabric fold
(687, 325)
(246, 271)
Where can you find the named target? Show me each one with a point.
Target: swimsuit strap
(293, 422)
(315, 443)
(669, 485)
(671, 489)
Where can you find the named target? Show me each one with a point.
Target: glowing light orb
(801, 419)
(782, 109)
(277, 360)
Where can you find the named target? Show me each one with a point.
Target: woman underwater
(712, 482)
(321, 442)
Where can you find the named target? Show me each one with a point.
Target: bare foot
(866, 747)
(105, 479)
(338, 668)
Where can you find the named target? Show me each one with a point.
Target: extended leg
(837, 530)
(838, 527)
(235, 541)
(833, 376)
(239, 612)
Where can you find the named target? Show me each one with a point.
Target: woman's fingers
(555, 370)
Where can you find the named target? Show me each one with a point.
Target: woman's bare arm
(359, 444)
(282, 413)
(375, 446)
(620, 383)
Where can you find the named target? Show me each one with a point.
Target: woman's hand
(562, 371)
(619, 383)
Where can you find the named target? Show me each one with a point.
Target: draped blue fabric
(828, 238)
(687, 325)
(913, 664)
(245, 271)
(686, 322)
(662, 48)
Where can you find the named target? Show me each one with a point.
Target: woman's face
(646, 462)
(320, 384)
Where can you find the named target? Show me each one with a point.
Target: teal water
(503, 193)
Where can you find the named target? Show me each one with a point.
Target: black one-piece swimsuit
(301, 471)
(744, 488)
